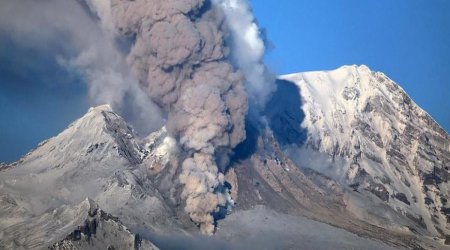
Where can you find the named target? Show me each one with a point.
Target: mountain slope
(362, 130)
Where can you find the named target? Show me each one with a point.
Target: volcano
(341, 159)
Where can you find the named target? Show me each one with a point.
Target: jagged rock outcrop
(101, 230)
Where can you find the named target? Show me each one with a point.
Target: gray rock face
(402, 197)
(350, 93)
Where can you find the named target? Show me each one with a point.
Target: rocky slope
(363, 131)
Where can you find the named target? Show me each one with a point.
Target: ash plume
(180, 56)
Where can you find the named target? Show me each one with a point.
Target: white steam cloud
(248, 49)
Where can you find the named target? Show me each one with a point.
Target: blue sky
(38, 99)
(409, 40)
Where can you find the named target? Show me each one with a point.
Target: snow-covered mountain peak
(377, 139)
(98, 133)
(337, 100)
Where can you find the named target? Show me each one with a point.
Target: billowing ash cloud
(69, 31)
(180, 56)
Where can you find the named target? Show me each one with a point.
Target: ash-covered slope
(361, 129)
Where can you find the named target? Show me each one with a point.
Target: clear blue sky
(409, 40)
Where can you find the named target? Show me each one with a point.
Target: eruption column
(181, 58)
